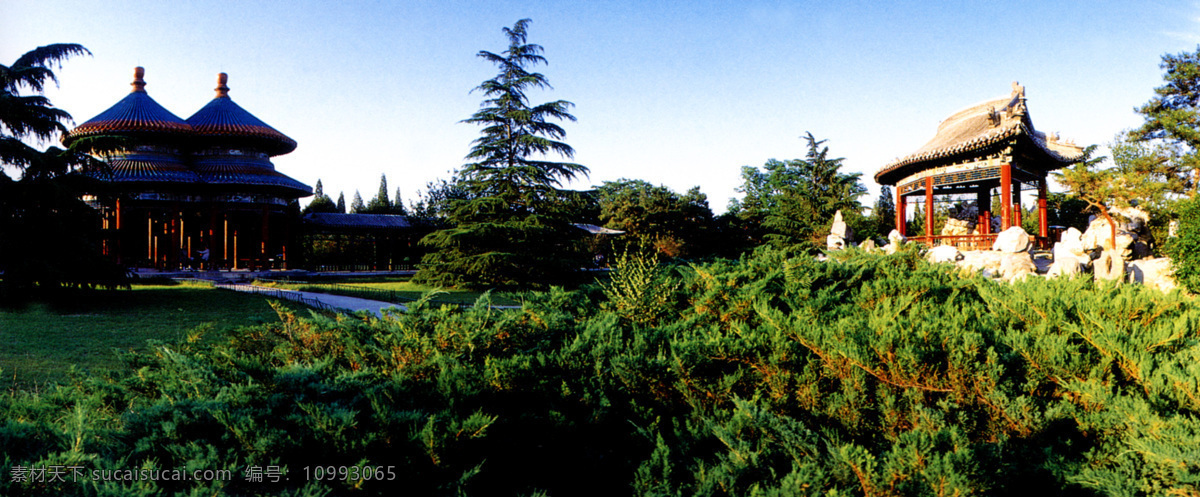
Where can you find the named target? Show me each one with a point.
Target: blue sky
(675, 93)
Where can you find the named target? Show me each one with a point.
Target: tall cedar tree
(515, 230)
(792, 203)
(357, 206)
(1173, 120)
(320, 202)
(48, 237)
(884, 213)
(380, 203)
(341, 203)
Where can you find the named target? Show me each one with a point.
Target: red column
(901, 216)
(1018, 212)
(929, 207)
(1005, 196)
(1043, 222)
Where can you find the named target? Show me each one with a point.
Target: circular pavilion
(981, 149)
(179, 190)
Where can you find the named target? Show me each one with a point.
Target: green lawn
(392, 289)
(38, 342)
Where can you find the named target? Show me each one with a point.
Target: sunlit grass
(42, 340)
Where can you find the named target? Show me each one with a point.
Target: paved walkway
(319, 300)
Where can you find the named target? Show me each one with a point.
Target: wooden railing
(972, 242)
(961, 242)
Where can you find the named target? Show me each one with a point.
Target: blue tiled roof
(221, 117)
(136, 113)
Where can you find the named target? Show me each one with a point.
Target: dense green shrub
(772, 375)
(1184, 249)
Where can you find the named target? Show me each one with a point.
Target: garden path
(322, 300)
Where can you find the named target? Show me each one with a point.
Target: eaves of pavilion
(988, 146)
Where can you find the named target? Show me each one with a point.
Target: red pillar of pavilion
(901, 216)
(1005, 196)
(1043, 221)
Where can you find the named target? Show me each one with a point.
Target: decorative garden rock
(1155, 273)
(1109, 266)
(1012, 240)
(840, 228)
(943, 253)
(834, 242)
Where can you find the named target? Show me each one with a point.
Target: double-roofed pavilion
(983, 148)
(179, 188)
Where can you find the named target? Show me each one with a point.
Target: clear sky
(675, 93)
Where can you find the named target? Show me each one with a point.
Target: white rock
(943, 253)
(1154, 273)
(1067, 265)
(1109, 266)
(834, 242)
(840, 228)
(1016, 265)
(1012, 240)
(981, 260)
(1071, 243)
(895, 238)
(868, 246)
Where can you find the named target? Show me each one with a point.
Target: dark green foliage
(341, 203)
(320, 202)
(792, 203)
(380, 203)
(1185, 257)
(48, 236)
(357, 206)
(515, 229)
(676, 225)
(883, 216)
(1172, 120)
(873, 375)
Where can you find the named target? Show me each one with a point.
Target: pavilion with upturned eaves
(181, 190)
(976, 151)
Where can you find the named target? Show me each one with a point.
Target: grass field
(391, 289)
(40, 341)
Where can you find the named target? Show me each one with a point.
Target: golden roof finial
(222, 85)
(139, 84)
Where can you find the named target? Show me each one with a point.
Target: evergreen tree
(884, 212)
(676, 225)
(380, 203)
(515, 230)
(320, 202)
(398, 204)
(1173, 121)
(791, 203)
(357, 206)
(341, 203)
(48, 236)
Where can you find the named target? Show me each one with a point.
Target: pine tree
(516, 229)
(398, 204)
(380, 203)
(357, 206)
(1173, 121)
(320, 202)
(884, 212)
(791, 203)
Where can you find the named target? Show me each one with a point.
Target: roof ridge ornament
(138, 84)
(222, 85)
